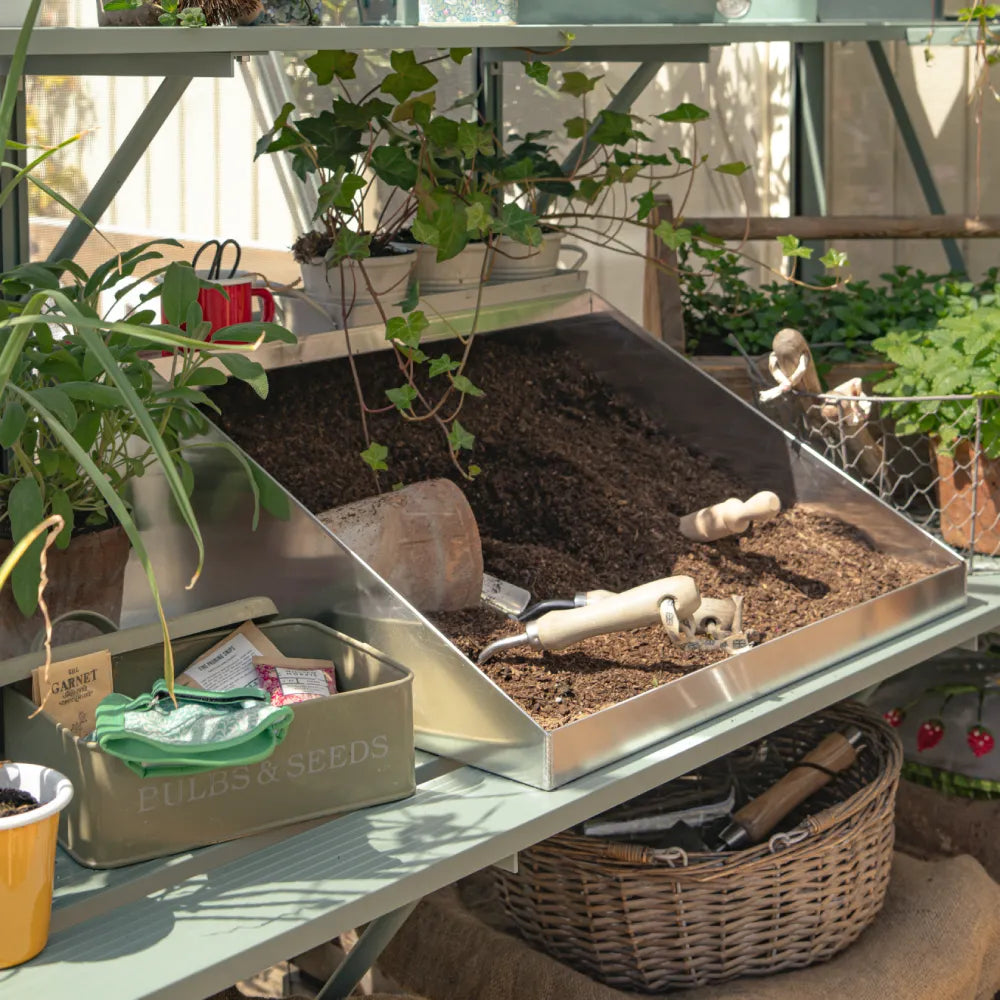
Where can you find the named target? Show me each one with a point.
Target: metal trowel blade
(503, 596)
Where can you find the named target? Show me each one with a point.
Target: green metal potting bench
(189, 925)
(184, 927)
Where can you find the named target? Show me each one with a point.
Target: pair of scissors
(215, 269)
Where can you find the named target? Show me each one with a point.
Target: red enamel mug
(222, 311)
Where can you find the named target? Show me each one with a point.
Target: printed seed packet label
(290, 681)
(69, 691)
(229, 664)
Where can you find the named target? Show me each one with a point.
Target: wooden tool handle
(630, 609)
(729, 517)
(763, 814)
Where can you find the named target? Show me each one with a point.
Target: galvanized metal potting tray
(458, 711)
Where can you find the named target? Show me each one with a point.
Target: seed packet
(290, 681)
(229, 664)
(69, 691)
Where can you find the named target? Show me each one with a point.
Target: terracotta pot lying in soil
(956, 495)
(579, 491)
(87, 576)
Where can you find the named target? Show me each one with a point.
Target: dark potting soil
(579, 491)
(15, 800)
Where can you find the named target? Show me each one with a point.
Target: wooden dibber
(729, 517)
(751, 824)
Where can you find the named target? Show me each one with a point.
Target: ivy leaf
(833, 259)
(392, 165)
(577, 84)
(408, 78)
(338, 192)
(588, 189)
(613, 128)
(646, 202)
(477, 218)
(353, 115)
(464, 386)
(403, 397)
(417, 109)
(576, 128)
(450, 226)
(474, 140)
(439, 366)
(349, 245)
(791, 247)
(375, 455)
(459, 437)
(671, 237)
(680, 158)
(458, 55)
(442, 131)
(685, 112)
(332, 63)
(519, 224)
(406, 330)
(411, 299)
(537, 71)
(734, 169)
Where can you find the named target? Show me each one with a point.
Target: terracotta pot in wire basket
(650, 919)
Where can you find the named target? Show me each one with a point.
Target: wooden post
(662, 312)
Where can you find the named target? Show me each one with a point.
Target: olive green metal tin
(344, 752)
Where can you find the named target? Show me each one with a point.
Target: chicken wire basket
(945, 477)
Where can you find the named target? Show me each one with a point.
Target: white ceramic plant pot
(468, 11)
(513, 261)
(464, 270)
(13, 13)
(141, 17)
(389, 278)
(28, 859)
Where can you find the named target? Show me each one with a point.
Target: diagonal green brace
(128, 154)
(363, 955)
(916, 153)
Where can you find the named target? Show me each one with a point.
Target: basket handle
(636, 854)
(102, 623)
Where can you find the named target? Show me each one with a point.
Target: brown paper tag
(229, 663)
(70, 691)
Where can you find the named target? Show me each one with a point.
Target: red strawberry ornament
(980, 740)
(894, 716)
(929, 734)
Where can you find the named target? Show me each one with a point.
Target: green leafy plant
(839, 320)
(959, 356)
(81, 413)
(172, 12)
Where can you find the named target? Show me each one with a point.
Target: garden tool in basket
(749, 825)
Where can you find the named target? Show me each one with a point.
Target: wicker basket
(644, 919)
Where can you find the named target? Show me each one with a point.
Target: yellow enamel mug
(27, 861)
